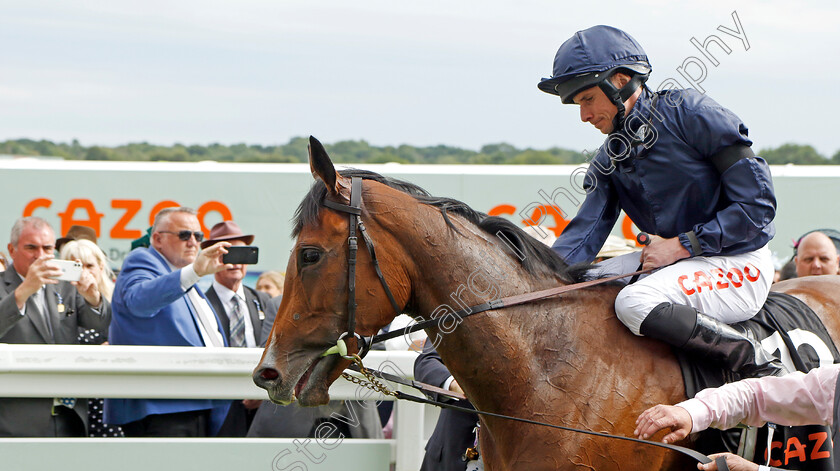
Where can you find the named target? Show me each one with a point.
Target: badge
(262, 315)
(60, 308)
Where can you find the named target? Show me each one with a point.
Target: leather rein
(354, 211)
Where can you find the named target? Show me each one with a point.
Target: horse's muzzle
(268, 379)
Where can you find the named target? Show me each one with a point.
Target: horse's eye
(309, 256)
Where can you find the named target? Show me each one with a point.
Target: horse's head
(314, 312)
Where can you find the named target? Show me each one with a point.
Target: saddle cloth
(790, 329)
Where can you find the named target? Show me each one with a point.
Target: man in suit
(35, 308)
(453, 432)
(156, 303)
(243, 312)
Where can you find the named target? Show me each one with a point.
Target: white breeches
(729, 288)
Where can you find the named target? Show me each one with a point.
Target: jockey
(681, 167)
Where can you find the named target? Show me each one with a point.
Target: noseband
(355, 212)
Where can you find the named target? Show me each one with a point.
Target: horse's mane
(534, 256)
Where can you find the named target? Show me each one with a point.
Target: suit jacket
(453, 432)
(257, 301)
(150, 308)
(30, 417)
(239, 418)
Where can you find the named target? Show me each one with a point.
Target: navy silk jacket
(668, 184)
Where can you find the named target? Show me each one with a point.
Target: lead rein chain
(370, 381)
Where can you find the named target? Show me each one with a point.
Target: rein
(501, 303)
(354, 210)
(370, 381)
(721, 460)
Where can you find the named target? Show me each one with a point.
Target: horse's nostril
(269, 374)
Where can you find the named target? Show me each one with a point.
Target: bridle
(354, 210)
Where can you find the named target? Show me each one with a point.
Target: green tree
(793, 154)
(98, 153)
(835, 159)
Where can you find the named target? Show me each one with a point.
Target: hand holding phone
(71, 270)
(241, 255)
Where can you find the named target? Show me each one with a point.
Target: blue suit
(150, 308)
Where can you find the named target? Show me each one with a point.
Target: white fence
(197, 373)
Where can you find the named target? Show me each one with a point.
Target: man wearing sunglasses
(156, 302)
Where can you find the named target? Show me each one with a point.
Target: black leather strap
(342, 207)
(514, 300)
(354, 209)
(372, 252)
(695, 243)
(727, 156)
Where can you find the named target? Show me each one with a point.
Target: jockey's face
(816, 255)
(596, 109)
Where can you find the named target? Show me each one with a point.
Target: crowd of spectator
(156, 301)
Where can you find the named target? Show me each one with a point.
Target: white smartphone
(71, 270)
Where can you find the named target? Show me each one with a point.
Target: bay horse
(565, 360)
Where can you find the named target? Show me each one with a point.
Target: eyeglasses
(185, 235)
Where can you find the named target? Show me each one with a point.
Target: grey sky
(460, 73)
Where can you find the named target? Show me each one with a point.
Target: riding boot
(734, 347)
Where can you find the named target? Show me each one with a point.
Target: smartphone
(71, 270)
(241, 254)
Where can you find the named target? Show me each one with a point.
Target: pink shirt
(794, 399)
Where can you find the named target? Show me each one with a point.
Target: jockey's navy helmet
(590, 58)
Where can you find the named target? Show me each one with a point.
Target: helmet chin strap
(619, 96)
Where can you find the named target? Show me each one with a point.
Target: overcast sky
(460, 73)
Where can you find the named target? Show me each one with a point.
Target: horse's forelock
(308, 210)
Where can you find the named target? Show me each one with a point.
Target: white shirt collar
(225, 293)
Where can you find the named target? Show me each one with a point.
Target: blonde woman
(271, 282)
(94, 261)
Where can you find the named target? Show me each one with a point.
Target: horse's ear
(321, 166)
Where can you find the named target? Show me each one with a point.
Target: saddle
(795, 334)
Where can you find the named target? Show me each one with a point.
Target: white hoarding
(119, 199)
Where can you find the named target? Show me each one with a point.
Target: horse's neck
(491, 353)
(465, 269)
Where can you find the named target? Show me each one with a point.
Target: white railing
(193, 373)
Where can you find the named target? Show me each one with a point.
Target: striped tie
(237, 323)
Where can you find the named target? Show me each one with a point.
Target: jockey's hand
(735, 463)
(661, 417)
(661, 252)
